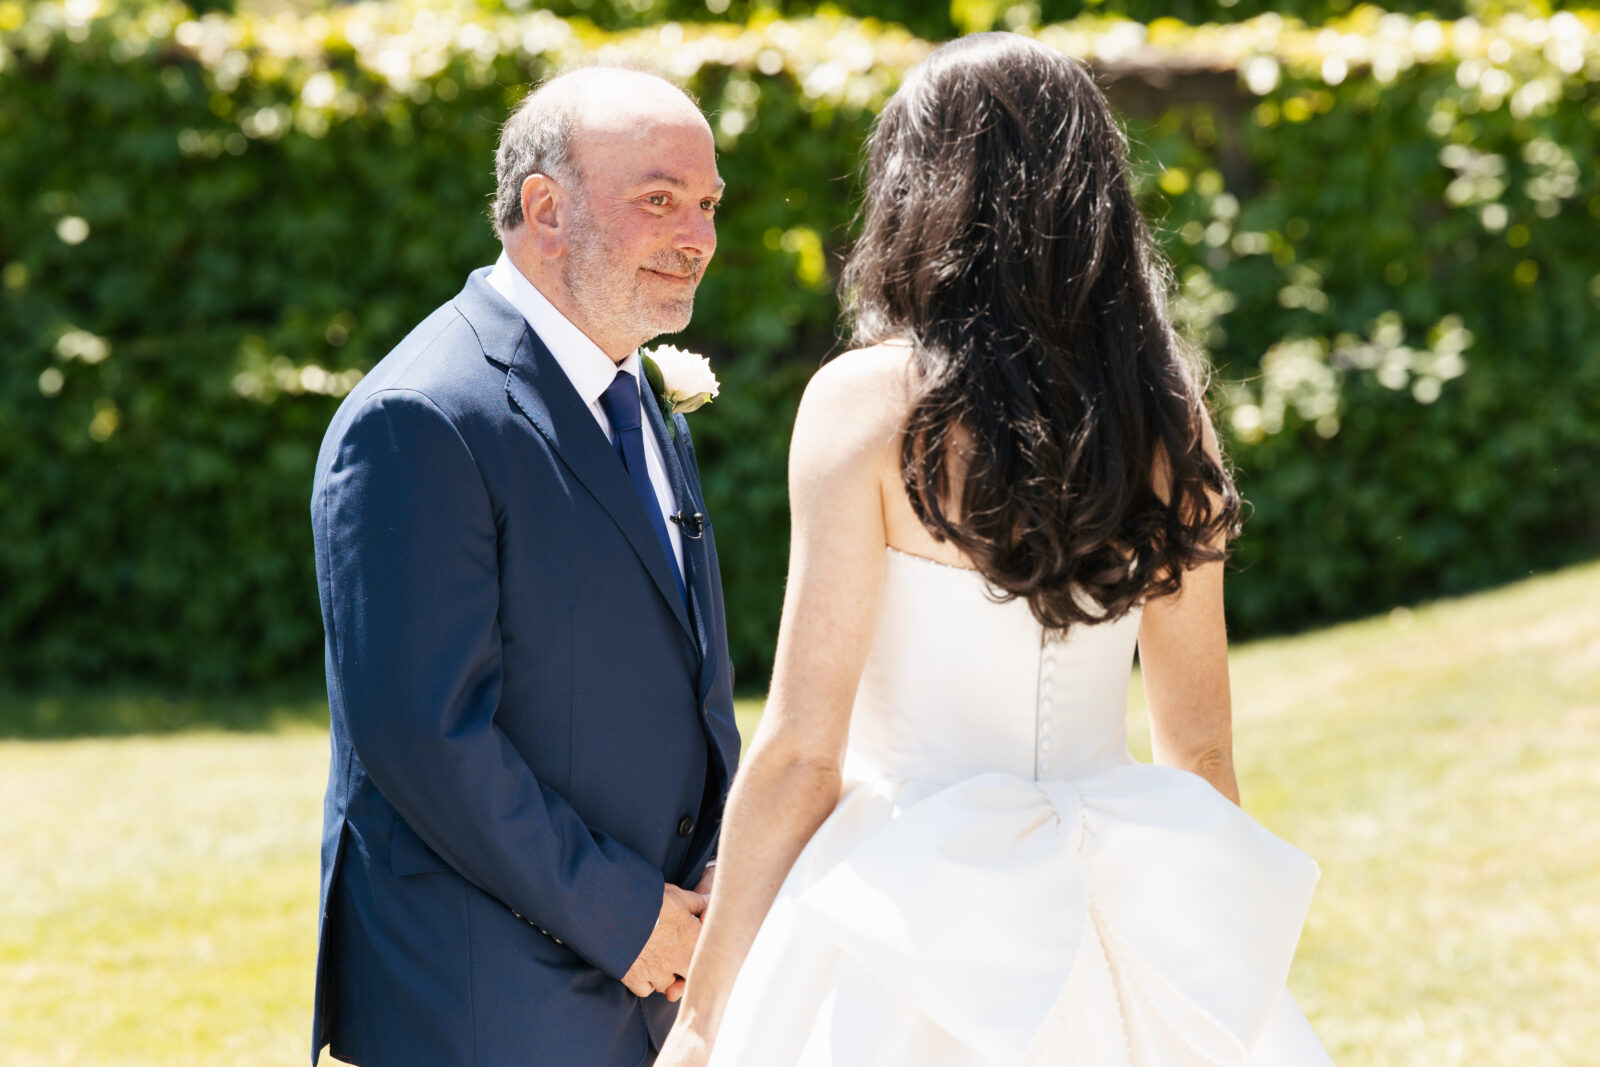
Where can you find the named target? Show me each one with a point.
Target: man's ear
(543, 213)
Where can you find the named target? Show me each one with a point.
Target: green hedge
(209, 228)
(939, 20)
(1400, 286)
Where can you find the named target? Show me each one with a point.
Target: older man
(532, 716)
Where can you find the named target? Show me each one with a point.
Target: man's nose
(698, 237)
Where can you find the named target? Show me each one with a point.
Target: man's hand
(666, 955)
(676, 989)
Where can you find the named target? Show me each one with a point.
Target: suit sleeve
(414, 589)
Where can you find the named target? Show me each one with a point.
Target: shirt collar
(588, 368)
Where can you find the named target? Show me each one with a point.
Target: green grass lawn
(1443, 765)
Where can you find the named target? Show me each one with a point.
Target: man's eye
(708, 205)
(657, 199)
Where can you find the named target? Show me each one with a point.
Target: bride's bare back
(873, 398)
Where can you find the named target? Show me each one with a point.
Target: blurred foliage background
(1382, 227)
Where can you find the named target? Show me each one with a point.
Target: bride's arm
(1183, 657)
(788, 783)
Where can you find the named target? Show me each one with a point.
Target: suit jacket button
(685, 826)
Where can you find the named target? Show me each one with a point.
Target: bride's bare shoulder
(868, 385)
(853, 408)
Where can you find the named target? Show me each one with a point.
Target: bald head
(550, 130)
(606, 202)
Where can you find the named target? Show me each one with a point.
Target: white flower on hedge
(683, 379)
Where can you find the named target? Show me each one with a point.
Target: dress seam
(1116, 986)
(1101, 928)
(1038, 695)
(931, 561)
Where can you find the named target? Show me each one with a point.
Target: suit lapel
(540, 389)
(695, 563)
(722, 733)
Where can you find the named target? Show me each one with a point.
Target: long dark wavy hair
(1000, 236)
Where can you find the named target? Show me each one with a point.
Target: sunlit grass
(748, 712)
(1443, 765)
(159, 899)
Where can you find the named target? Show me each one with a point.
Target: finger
(662, 979)
(637, 986)
(675, 990)
(685, 939)
(681, 957)
(695, 902)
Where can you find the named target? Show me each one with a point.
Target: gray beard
(602, 297)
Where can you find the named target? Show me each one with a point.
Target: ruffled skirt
(1130, 918)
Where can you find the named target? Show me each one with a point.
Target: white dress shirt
(591, 372)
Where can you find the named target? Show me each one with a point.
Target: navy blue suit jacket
(531, 731)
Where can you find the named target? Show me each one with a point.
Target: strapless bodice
(958, 684)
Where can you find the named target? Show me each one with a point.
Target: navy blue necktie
(620, 402)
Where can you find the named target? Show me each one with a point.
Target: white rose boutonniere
(683, 380)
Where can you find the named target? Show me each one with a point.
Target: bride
(939, 851)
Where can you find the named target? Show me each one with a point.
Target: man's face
(641, 228)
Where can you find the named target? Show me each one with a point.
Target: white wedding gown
(1002, 884)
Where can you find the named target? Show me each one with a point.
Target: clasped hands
(664, 960)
